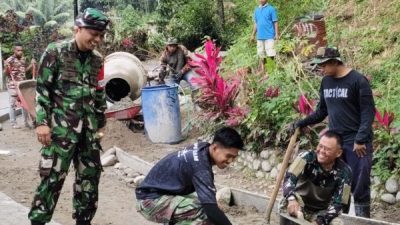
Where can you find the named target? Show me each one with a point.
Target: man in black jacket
(346, 98)
(180, 188)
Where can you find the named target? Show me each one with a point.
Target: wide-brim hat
(324, 54)
(172, 41)
(93, 19)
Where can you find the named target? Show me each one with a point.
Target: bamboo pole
(285, 162)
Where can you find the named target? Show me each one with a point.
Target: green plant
(47, 13)
(241, 53)
(190, 28)
(387, 155)
(156, 42)
(166, 10)
(128, 23)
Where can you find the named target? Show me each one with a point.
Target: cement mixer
(124, 75)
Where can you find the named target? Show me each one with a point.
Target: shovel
(279, 179)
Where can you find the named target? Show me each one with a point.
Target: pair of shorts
(266, 48)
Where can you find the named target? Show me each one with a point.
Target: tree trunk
(75, 9)
(220, 12)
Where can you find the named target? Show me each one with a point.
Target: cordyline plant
(386, 120)
(217, 95)
(304, 106)
(271, 92)
(127, 43)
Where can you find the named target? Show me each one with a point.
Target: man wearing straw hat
(174, 62)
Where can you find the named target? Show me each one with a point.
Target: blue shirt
(265, 17)
(181, 173)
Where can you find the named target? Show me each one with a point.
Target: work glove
(293, 126)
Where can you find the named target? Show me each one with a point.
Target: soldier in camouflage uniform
(70, 119)
(318, 183)
(15, 68)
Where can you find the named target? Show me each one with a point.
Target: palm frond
(19, 5)
(20, 14)
(50, 24)
(60, 8)
(43, 7)
(4, 7)
(61, 17)
(38, 16)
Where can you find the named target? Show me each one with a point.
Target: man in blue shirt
(266, 27)
(180, 188)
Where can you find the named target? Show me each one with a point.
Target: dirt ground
(117, 132)
(19, 177)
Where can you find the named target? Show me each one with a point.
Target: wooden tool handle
(279, 179)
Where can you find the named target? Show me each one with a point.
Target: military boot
(78, 222)
(363, 210)
(36, 223)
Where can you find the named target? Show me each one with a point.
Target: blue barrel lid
(159, 87)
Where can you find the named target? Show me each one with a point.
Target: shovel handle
(279, 179)
(34, 71)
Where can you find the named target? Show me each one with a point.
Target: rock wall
(387, 192)
(267, 165)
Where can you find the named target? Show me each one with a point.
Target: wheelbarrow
(26, 91)
(124, 114)
(130, 116)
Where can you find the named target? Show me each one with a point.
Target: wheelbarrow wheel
(136, 124)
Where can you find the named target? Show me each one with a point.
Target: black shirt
(181, 173)
(350, 105)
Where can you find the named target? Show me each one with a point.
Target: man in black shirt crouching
(180, 188)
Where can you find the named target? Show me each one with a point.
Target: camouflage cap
(93, 19)
(171, 41)
(325, 54)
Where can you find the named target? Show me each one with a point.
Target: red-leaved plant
(271, 92)
(305, 106)
(386, 120)
(217, 95)
(128, 43)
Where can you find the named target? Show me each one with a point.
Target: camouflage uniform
(322, 194)
(71, 103)
(16, 72)
(170, 209)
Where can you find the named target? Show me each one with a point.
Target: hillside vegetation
(366, 33)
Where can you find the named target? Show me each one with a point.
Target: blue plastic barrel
(161, 114)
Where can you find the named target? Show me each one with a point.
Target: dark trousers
(361, 168)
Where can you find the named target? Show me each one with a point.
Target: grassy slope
(367, 31)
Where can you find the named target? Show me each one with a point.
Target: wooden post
(279, 179)
(75, 9)
(2, 78)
